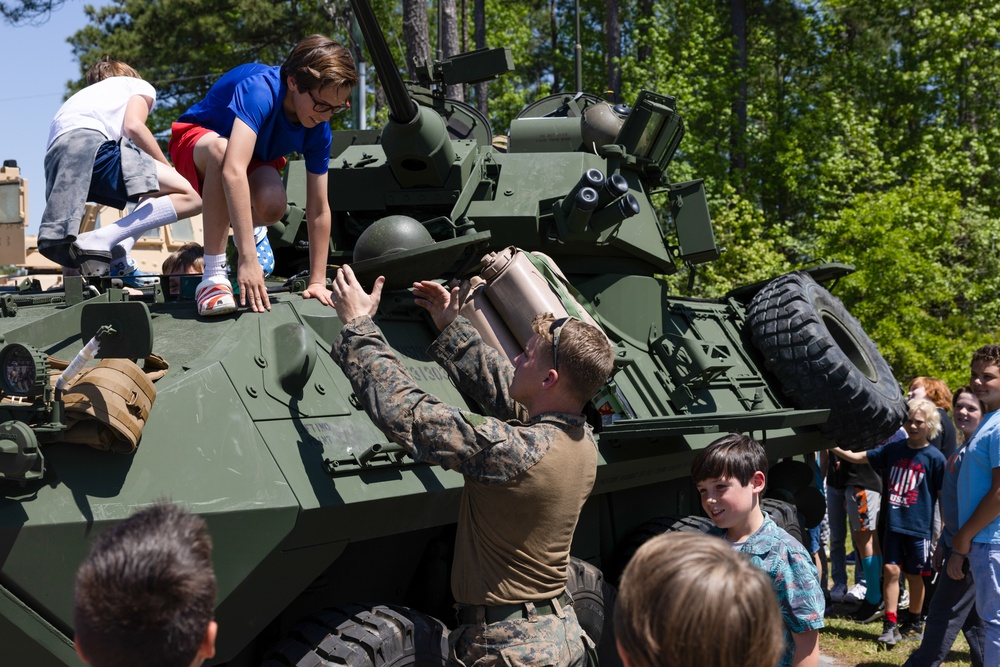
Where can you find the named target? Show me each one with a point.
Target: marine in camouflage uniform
(526, 479)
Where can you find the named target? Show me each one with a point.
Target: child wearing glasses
(231, 146)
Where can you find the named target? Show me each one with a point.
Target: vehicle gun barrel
(401, 107)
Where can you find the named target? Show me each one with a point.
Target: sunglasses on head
(554, 330)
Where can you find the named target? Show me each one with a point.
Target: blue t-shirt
(949, 496)
(794, 576)
(976, 477)
(254, 93)
(914, 478)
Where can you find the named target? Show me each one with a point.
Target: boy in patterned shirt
(730, 476)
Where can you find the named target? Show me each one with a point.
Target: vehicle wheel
(786, 516)
(644, 531)
(363, 636)
(824, 359)
(594, 603)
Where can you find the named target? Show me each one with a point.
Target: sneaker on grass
(856, 593)
(869, 612)
(890, 633)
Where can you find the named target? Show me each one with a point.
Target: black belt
(470, 614)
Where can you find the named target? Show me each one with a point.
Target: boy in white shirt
(100, 150)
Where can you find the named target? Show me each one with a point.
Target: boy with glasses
(232, 145)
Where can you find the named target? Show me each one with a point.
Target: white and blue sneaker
(264, 253)
(124, 268)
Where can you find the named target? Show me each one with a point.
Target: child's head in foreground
(145, 595)
(690, 600)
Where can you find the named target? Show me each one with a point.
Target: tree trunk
(415, 34)
(613, 30)
(645, 52)
(554, 43)
(479, 30)
(449, 43)
(738, 27)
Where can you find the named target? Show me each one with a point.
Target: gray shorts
(862, 508)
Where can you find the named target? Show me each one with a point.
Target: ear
(551, 378)
(291, 83)
(757, 482)
(621, 653)
(79, 651)
(207, 648)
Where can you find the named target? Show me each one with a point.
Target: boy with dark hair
(232, 145)
(145, 595)
(915, 473)
(730, 477)
(978, 539)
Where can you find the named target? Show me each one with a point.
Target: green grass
(852, 644)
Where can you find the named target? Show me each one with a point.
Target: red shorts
(183, 137)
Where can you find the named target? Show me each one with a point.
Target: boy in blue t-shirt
(729, 475)
(978, 538)
(915, 472)
(232, 145)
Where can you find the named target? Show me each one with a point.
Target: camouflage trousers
(541, 641)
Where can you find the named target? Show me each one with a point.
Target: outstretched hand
(441, 303)
(350, 298)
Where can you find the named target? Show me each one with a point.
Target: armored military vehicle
(331, 545)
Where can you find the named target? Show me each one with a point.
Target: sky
(38, 62)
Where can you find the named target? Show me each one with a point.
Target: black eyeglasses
(554, 330)
(320, 106)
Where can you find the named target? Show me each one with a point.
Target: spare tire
(594, 602)
(786, 516)
(824, 359)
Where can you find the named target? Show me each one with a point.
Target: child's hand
(319, 292)
(959, 553)
(250, 277)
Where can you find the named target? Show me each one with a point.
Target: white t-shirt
(100, 106)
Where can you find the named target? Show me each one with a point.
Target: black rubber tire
(644, 531)
(594, 603)
(363, 636)
(785, 516)
(824, 359)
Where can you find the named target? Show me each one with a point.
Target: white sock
(150, 215)
(215, 266)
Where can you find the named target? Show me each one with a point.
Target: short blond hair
(585, 355)
(931, 415)
(689, 600)
(107, 67)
